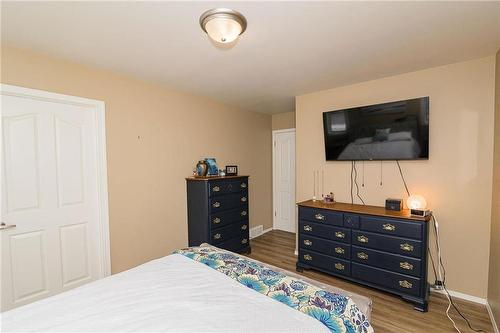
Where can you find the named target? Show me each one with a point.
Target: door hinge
(275, 143)
(275, 213)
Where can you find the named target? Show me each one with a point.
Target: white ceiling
(289, 48)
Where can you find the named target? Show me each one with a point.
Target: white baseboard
(258, 231)
(463, 296)
(493, 322)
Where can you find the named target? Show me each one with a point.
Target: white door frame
(288, 130)
(101, 167)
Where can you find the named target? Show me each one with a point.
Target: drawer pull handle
(339, 266)
(215, 189)
(217, 236)
(244, 241)
(339, 234)
(216, 220)
(243, 213)
(339, 250)
(243, 185)
(406, 265)
(308, 257)
(362, 255)
(319, 217)
(362, 239)
(406, 284)
(389, 227)
(243, 199)
(307, 242)
(308, 228)
(406, 247)
(216, 204)
(244, 227)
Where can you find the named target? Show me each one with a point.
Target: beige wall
(283, 120)
(456, 179)
(494, 279)
(147, 195)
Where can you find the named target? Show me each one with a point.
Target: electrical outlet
(438, 285)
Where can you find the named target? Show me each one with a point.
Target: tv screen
(389, 131)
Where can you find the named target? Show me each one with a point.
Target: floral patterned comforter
(337, 312)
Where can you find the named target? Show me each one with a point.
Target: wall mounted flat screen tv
(389, 131)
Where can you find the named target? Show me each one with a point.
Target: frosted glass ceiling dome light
(223, 25)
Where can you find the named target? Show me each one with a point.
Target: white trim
(258, 231)
(463, 296)
(274, 132)
(99, 107)
(493, 322)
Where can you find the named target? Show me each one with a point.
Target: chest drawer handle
(216, 204)
(217, 236)
(307, 242)
(215, 189)
(339, 250)
(243, 213)
(244, 241)
(339, 266)
(244, 227)
(362, 255)
(406, 284)
(243, 185)
(319, 217)
(216, 220)
(362, 239)
(308, 257)
(406, 247)
(406, 265)
(388, 227)
(308, 228)
(339, 234)
(243, 199)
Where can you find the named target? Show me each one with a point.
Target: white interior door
(52, 237)
(284, 180)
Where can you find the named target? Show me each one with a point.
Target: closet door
(50, 233)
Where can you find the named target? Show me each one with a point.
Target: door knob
(4, 226)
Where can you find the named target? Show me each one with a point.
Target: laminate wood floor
(390, 313)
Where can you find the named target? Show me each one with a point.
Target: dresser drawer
(391, 227)
(328, 263)
(227, 186)
(392, 262)
(321, 216)
(331, 248)
(235, 244)
(223, 234)
(408, 247)
(398, 282)
(228, 217)
(325, 231)
(225, 202)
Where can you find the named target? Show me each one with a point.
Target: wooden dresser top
(362, 209)
(213, 177)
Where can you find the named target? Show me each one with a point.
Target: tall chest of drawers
(369, 245)
(218, 212)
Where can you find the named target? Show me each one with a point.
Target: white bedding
(369, 149)
(171, 294)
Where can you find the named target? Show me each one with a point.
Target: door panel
(49, 191)
(284, 180)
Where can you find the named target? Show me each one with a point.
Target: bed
(182, 292)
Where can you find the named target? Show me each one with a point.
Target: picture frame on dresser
(218, 212)
(372, 246)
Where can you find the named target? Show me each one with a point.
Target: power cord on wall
(354, 182)
(437, 272)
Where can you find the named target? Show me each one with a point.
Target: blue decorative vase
(201, 169)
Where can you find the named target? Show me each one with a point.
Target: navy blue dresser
(218, 212)
(383, 249)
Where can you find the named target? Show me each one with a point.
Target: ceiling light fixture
(223, 25)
